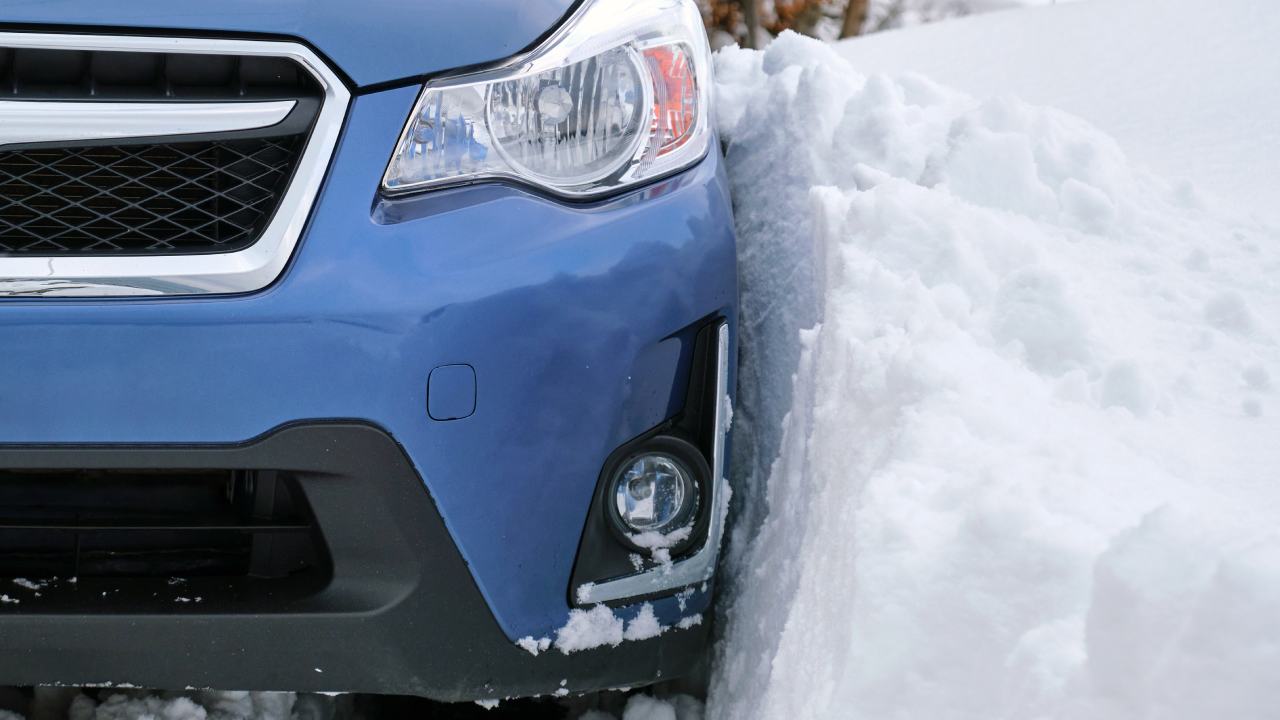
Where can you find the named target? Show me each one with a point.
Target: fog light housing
(655, 492)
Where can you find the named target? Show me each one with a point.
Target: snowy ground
(1010, 393)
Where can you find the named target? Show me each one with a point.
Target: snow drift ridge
(1027, 467)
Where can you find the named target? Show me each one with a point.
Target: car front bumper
(400, 613)
(577, 321)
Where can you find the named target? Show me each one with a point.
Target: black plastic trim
(180, 33)
(602, 554)
(401, 615)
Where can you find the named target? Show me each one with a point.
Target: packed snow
(1006, 432)
(1187, 87)
(1011, 444)
(598, 626)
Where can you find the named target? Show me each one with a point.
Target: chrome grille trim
(246, 270)
(34, 121)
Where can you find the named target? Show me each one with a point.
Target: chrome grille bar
(25, 121)
(244, 270)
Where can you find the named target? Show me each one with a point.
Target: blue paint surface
(566, 313)
(372, 41)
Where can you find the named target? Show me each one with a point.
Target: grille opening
(179, 198)
(39, 73)
(167, 194)
(158, 524)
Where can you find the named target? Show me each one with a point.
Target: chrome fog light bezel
(683, 567)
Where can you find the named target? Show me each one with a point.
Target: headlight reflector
(617, 97)
(570, 126)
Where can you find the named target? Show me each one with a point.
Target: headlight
(620, 95)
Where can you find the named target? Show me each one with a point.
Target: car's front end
(323, 372)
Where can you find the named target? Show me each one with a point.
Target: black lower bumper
(390, 608)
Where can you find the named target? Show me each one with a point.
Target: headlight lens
(617, 97)
(570, 126)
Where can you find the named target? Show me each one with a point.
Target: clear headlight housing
(618, 96)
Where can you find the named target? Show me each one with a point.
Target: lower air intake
(155, 524)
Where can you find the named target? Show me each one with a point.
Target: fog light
(654, 492)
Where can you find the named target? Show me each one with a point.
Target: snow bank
(1013, 400)
(1187, 87)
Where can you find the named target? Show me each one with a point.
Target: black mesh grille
(179, 198)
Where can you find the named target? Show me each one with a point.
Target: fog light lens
(654, 493)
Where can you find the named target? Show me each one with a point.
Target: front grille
(176, 198)
(39, 73)
(164, 194)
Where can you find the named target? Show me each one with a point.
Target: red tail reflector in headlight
(675, 96)
(620, 95)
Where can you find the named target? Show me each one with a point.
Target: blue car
(378, 347)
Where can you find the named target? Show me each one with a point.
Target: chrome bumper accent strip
(700, 566)
(35, 121)
(252, 268)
